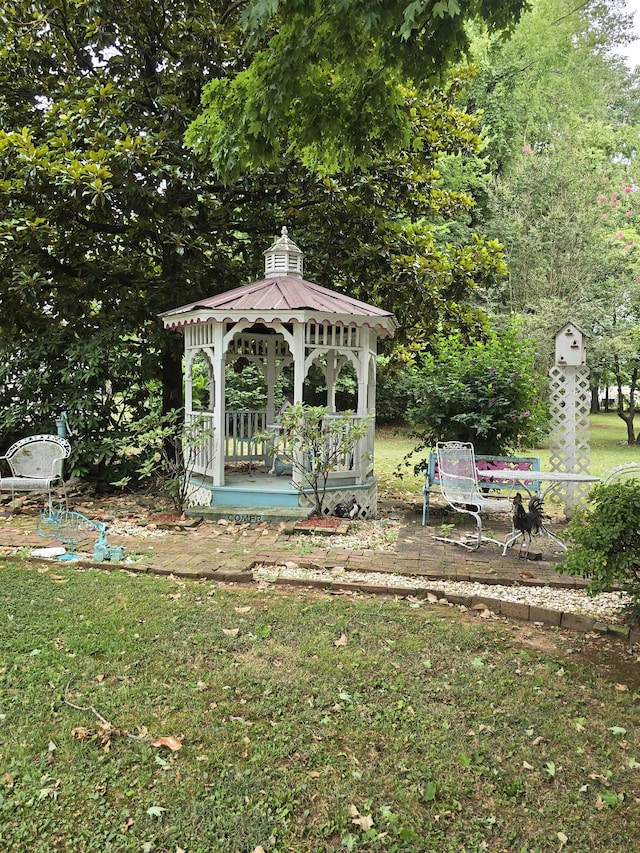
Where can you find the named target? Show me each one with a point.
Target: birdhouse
(571, 346)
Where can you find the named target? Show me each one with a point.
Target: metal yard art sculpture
(71, 528)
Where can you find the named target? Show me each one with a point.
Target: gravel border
(566, 608)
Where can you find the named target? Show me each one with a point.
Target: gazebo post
(219, 443)
(271, 376)
(362, 376)
(299, 375)
(331, 375)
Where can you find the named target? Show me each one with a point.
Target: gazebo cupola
(283, 258)
(283, 325)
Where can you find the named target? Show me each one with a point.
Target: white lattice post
(570, 399)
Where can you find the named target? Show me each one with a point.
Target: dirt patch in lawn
(611, 659)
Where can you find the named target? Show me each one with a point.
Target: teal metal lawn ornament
(71, 528)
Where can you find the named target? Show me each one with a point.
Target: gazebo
(280, 321)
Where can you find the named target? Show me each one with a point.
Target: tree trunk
(172, 395)
(595, 400)
(629, 415)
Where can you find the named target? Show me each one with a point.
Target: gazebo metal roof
(284, 299)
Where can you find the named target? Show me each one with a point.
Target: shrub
(394, 392)
(606, 540)
(317, 445)
(487, 392)
(164, 451)
(245, 389)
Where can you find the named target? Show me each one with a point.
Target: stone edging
(498, 607)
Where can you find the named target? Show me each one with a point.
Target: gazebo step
(255, 514)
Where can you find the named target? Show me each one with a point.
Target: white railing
(240, 444)
(240, 429)
(357, 462)
(203, 448)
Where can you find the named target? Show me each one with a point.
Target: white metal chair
(622, 473)
(36, 465)
(459, 485)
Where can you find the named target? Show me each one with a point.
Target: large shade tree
(107, 217)
(328, 78)
(560, 114)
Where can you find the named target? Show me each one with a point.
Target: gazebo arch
(278, 321)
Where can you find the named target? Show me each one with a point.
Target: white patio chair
(36, 465)
(459, 485)
(623, 473)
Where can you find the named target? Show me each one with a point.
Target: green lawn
(307, 722)
(608, 448)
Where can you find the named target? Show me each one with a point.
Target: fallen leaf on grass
(7, 778)
(104, 734)
(81, 733)
(156, 811)
(173, 743)
(562, 838)
(365, 822)
(341, 641)
(621, 687)
(240, 720)
(618, 731)
(231, 632)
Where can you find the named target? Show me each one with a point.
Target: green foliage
(606, 539)
(347, 64)
(95, 378)
(560, 112)
(245, 389)
(486, 392)
(105, 215)
(164, 450)
(107, 218)
(318, 443)
(395, 392)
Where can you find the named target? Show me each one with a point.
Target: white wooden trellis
(570, 399)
